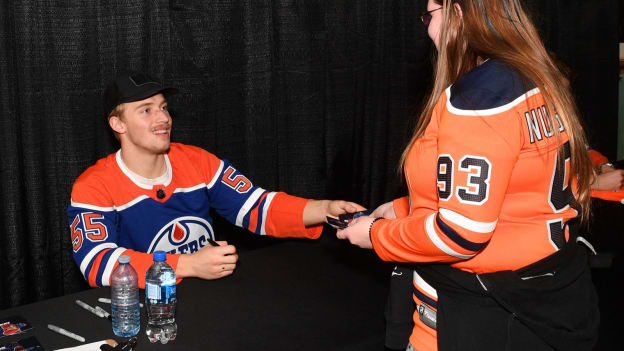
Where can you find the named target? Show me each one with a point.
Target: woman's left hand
(357, 232)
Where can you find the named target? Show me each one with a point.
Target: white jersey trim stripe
(109, 209)
(465, 222)
(424, 286)
(92, 207)
(132, 203)
(247, 206)
(491, 111)
(89, 256)
(433, 235)
(191, 189)
(265, 211)
(110, 264)
(216, 176)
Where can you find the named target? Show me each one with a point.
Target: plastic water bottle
(160, 300)
(125, 299)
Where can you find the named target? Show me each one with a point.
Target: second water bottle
(160, 300)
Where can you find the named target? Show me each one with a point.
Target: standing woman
(496, 170)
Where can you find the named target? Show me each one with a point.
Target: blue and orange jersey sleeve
(93, 224)
(248, 206)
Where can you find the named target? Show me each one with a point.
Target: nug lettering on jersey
(543, 128)
(183, 235)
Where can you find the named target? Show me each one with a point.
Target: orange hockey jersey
(485, 192)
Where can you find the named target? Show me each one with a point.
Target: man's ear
(117, 125)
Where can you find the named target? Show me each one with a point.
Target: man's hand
(316, 211)
(210, 262)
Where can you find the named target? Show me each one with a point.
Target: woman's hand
(385, 211)
(358, 232)
(610, 181)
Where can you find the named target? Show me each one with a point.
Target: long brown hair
(500, 29)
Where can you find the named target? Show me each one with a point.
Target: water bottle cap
(124, 259)
(160, 256)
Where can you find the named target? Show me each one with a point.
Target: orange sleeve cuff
(401, 206)
(285, 218)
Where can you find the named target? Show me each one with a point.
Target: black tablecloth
(296, 295)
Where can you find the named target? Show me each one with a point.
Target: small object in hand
(343, 220)
(337, 223)
(346, 217)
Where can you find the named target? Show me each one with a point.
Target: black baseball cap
(131, 87)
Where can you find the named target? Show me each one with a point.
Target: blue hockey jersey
(113, 212)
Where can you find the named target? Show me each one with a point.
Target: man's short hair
(117, 111)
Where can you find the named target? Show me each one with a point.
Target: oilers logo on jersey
(182, 235)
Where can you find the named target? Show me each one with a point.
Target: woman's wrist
(370, 228)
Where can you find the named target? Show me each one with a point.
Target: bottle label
(156, 292)
(152, 291)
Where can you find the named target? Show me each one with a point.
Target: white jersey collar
(142, 182)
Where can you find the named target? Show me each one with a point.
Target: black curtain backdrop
(310, 97)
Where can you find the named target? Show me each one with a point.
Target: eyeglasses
(425, 17)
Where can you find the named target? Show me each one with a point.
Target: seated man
(156, 195)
